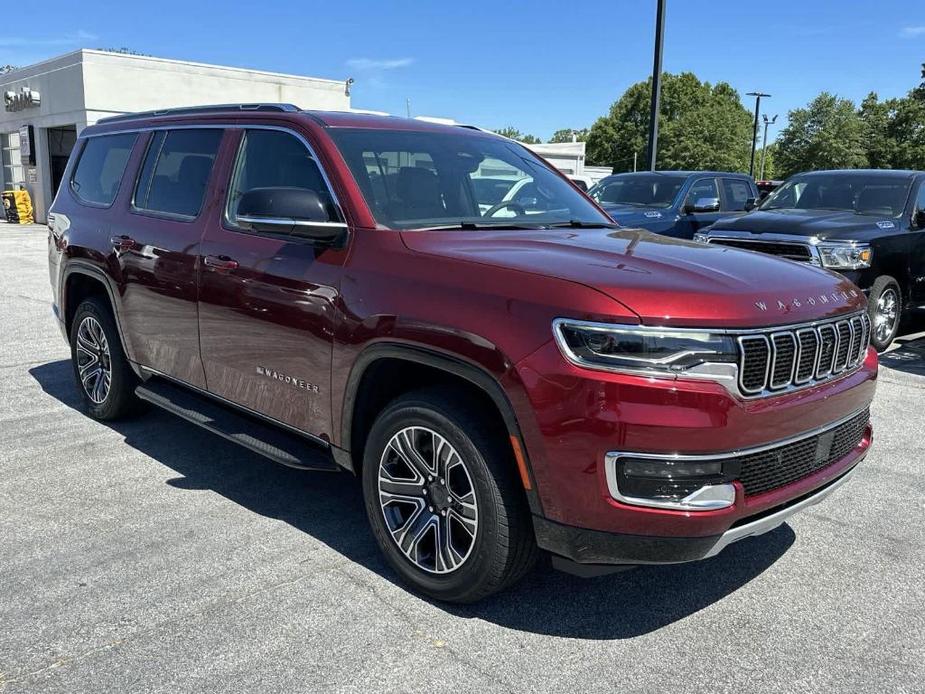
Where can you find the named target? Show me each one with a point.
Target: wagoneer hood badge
(830, 299)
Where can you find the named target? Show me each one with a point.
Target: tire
(884, 308)
(491, 545)
(104, 377)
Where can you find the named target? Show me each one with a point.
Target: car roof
(327, 119)
(683, 174)
(885, 173)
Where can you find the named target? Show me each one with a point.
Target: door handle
(220, 262)
(122, 243)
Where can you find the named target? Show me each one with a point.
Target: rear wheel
(104, 376)
(885, 311)
(442, 499)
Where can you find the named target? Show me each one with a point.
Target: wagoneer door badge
(289, 380)
(820, 299)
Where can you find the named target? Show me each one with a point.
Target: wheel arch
(81, 280)
(361, 403)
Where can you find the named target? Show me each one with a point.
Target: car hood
(664, 281)
(823, 224)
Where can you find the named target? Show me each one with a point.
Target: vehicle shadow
(907, 355)
(329, 507)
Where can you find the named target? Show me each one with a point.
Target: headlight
(701, 237)
(839, 256)
(636, 348)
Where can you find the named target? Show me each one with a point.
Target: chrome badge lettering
(288, 380)
(787, 305)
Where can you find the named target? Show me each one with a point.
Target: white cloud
(912, 32)
(73, 39)
(373, 65)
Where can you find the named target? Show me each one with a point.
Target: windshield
(419, 180)
(861, 193)
(638, 190)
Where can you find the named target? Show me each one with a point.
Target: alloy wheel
(428, 501)
(94, 362)
(886, 314)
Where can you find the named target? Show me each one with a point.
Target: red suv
(437, 310)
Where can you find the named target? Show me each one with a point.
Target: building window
(13, 172)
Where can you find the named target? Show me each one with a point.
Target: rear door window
(736, 193)
(176, 171)
(100, 167)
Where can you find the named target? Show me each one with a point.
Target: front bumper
(591, 547)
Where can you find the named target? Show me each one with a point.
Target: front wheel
(885, 312)
(443, 500)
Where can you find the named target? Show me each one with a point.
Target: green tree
(894, 131)
(770, 170)
(827, 134)
(565, 135)
(513, 133)
(701, 126)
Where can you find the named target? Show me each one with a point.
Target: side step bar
(275, 443)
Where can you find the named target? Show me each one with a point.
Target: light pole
(757, 95)
(764, 142)
(656, 84)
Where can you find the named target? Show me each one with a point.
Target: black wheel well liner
(357, 417)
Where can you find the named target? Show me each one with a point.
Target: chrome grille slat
(774, 360)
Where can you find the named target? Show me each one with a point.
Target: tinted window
(176, 171)
(638, 190)
(100, 168)
(704, 188)
(736, 192)
(275, 159)
(862, 193)
(416, 180)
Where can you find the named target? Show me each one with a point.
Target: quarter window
(100, 168)
(276, 159)
(176, 171)
(735, 194)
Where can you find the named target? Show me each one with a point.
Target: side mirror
(293, 211)
(703, 205)
(750, 204)
(918, 219)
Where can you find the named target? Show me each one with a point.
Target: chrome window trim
(239, 125)
(283, 221)
(611, 457)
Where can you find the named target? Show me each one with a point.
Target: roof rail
(195, 110)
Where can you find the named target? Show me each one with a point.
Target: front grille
(776, 467)
(801, 355)
(791, 251)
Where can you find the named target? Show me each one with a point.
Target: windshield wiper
(578, 224)
(477, 226)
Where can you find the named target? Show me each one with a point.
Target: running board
(270, 441)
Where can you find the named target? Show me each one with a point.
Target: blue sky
(538, 65)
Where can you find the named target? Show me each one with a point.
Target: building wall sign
(21, 100)
(27, 145)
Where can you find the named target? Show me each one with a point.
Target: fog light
(676, 483)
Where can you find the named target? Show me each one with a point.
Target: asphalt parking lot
(151, 556)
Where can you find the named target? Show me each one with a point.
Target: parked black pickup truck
(867, 225)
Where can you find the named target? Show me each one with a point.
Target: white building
(47, 104)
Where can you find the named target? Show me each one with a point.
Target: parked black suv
(867, 225)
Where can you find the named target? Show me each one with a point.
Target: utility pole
(408, 106)
(634, 161)
(757, 95)
(656, 84)
(764, 143)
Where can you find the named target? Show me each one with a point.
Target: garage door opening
(60, 143)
